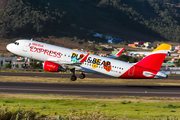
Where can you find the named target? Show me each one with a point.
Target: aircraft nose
(9, 47)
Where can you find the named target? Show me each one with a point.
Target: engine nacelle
(52, 67)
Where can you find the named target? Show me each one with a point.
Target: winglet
(119, 53)
(83, 60)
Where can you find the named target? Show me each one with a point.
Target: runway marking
(87, 91)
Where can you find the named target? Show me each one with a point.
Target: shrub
(19, 114)
(7, 65)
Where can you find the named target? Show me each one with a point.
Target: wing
(69, 64)
(117, 54)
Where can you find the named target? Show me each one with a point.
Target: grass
(66, 79)
(83, 106)
(93, 107)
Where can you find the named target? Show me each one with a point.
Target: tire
(73, 78)
(82, 76)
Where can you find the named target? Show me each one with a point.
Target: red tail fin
(156, 58)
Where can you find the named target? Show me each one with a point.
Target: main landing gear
(82, 76)
(74, 78)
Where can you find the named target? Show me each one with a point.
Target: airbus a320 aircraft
(61, 59)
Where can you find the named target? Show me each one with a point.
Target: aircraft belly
(101, 70)
(88, 70)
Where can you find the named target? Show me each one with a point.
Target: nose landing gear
(73, 78)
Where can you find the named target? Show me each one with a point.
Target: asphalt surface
(85, 89)
(47, 74)
(65, 75)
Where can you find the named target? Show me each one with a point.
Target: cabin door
(25, 47)
(131, 71)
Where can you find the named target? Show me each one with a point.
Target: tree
(17, 65)
(127, 58)
(36, 64)
(35, 16)
(7, 65)
(178, 63)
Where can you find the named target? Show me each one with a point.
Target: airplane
(58, 59)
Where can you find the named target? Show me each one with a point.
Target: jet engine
(52, 67)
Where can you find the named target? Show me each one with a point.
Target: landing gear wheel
(82, 76)
(73, 78)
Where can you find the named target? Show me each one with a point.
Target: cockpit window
(16, 43)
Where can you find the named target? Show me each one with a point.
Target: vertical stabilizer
(155, 59)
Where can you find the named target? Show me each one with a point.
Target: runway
(65, 75)
(92, 89)
(85, 89)
(47, 74)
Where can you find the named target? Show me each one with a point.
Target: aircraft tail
(155, 59)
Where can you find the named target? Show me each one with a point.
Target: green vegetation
(55, 106)
(153, 17)
(26, 18)
(36, 64)
(7, 65)
(38, 17)
(19, 114)
(128, 58)
(178, 63)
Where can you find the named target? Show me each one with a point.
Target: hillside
(130, 20)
